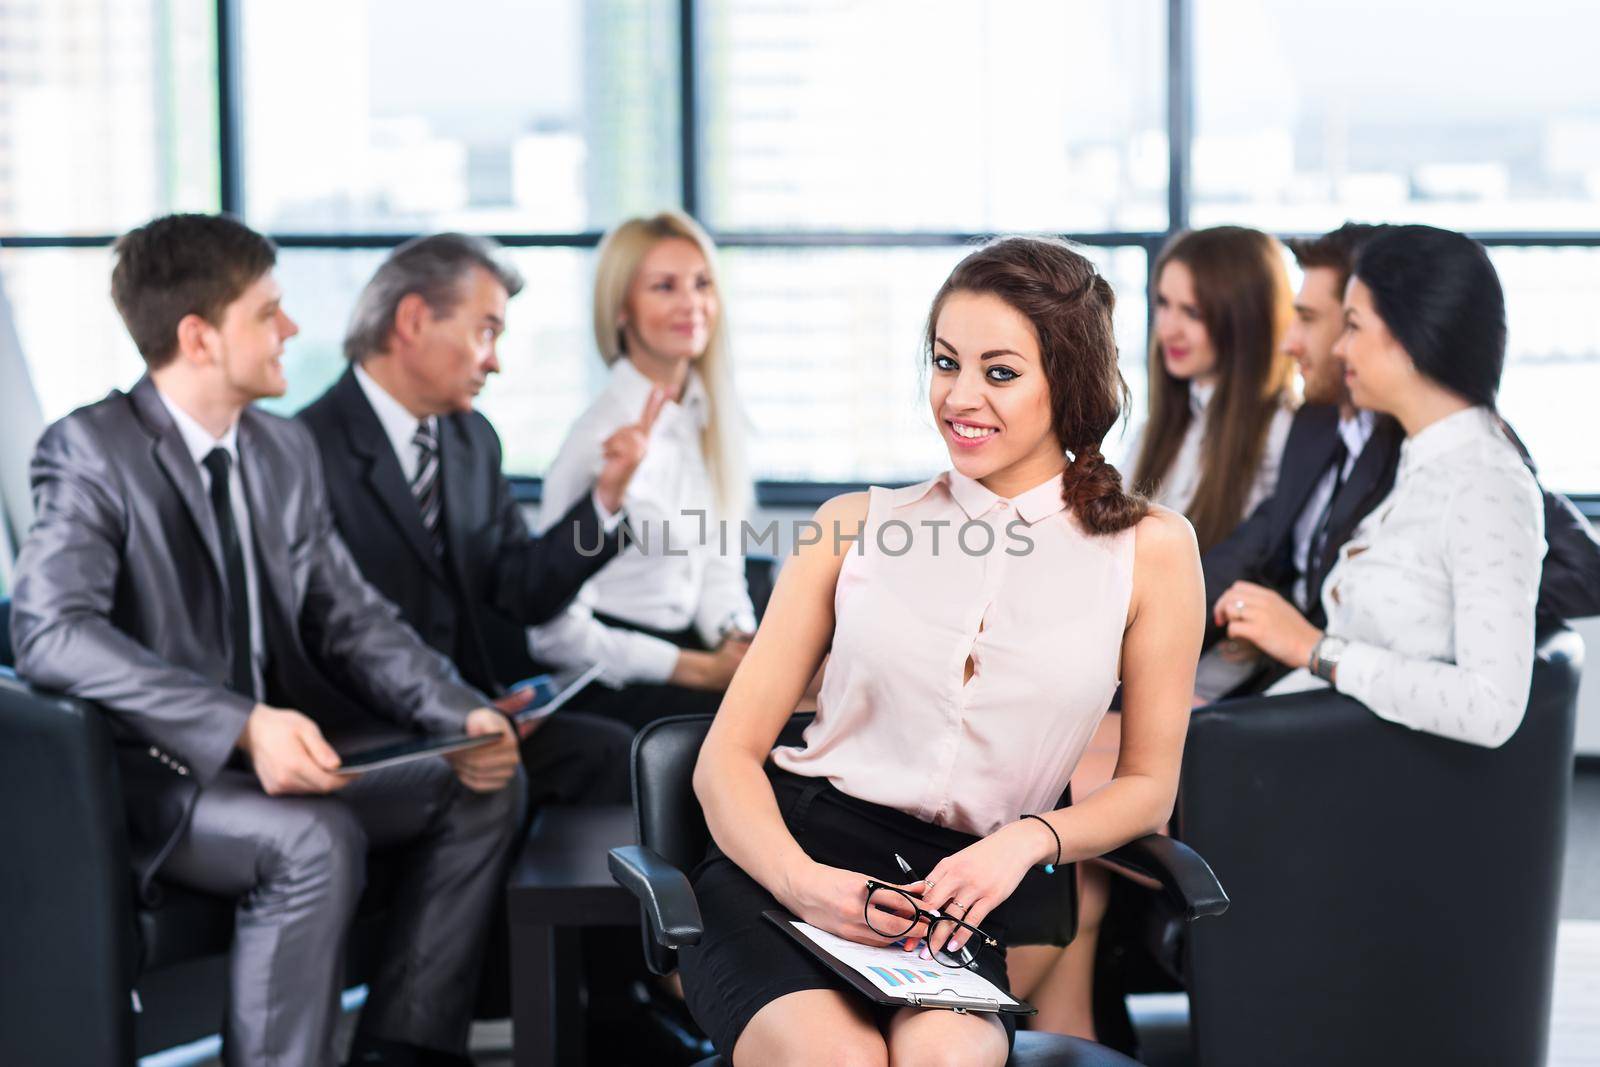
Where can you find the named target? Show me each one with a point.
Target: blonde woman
(670, 617)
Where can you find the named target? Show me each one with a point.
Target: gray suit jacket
(120, 598)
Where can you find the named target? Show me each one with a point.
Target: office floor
(1575, 1016)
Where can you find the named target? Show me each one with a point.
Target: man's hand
(514, 702)
(624, 450)
(289, 753)
(487, 768)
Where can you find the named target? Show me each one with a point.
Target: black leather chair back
(8, 658)
(760, 575)
(1397, 893)
(66, 888)
(669, 818)
(670, 821)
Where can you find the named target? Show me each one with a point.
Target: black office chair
(7, 657)
(673, 838)
(76, 941)
(1399, 892)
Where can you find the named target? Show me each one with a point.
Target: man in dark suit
(418, 493)
(1338, 464)
(183, 572)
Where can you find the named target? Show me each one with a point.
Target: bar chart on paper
(900, 976)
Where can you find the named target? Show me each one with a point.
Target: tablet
(550, 691)
(370, 759)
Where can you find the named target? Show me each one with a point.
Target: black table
(558, 885)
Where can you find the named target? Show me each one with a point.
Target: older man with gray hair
(417, 492)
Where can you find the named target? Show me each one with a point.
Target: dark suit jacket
(1261, 549)
(121, 599)
(495, 578)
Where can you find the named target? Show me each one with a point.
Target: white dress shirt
(675, 569)
(1356, 431)
(399, 425)
(1182, 479)
(200, 443)
(1435, 591)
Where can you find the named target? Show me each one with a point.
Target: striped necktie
(425, 484)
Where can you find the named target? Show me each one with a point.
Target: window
(73, 341)
(829, 360)
(1552, 374)
(843, 152)
(947, 116)
(1312, 112)
(107, 113)
(490, 117)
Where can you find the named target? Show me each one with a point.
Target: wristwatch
(1325, 656)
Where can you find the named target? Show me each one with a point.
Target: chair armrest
(664, 894)
(1186, 878)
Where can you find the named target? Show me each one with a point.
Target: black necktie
(425, 485)
(1319, 532)
(241, 673)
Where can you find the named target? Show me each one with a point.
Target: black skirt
(743, 962)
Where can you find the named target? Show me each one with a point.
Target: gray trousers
(298, 865)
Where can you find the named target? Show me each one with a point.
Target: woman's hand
(835, 900)
(1256, 614)
(973, 882)
(710, 671)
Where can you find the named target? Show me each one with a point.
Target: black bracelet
(1049, 868)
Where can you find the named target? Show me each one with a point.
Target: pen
(911, 875)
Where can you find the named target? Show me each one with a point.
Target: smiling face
(247, 347)
(1186, 347)
(990, 395)
(1309, 341)
(672, 304)
(1377, 370)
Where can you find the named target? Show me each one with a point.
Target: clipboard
(922, 981)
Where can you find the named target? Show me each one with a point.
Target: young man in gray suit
(184, 573)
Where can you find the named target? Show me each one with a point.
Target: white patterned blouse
(1435, 591)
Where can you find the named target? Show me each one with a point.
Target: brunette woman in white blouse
(1431, 604)
(669, 619)
(978, 624)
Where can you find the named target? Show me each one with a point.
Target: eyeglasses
(893, 913)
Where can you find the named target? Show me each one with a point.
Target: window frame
(769, 494)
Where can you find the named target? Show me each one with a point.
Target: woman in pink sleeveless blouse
(975, 628)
